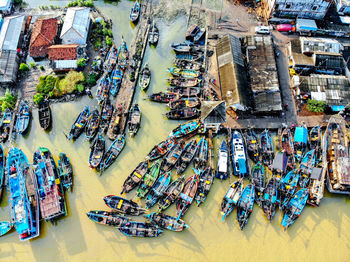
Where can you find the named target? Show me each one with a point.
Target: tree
(80, 88)
(32, 64)
(37, 98)
(81, 62)
(8, 100)
(92, 79)
(315, 106)
(109, 41)
(23, 67)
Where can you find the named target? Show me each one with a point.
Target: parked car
(264, 30)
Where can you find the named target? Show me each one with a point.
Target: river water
(320, 234)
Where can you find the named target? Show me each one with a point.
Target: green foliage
(103, 23)
(46, 84)
(110, 33)
(32, 65)
(42, 68)
(80, 88)
(8, 100)
(87, 3)
(68, 84)
(37, 98)
(109, 41)
(23, 67)
(315, 106)
(81, 62)
(105, 31)
(98, 44)
(92, 79)
(17, 2)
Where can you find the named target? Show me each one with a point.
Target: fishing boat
(184, 102)
(102, 91)
(2, 170)
(315, 137)
(185, 64)
(145, 78)
(79, 124)
(201, 157)
(162, 97)
(50, 191)
(231, 198)
(300, 142)
(270, 199)
(183, 114)
(171, 193)
(185, 129)
(92, 125)
(253, 145)
(245, 205)
(134, 120)
(199, 36)
(222, 166)
(316, 186)
(186, 157)
(295, 207)
(66, 171)
(258, 180)
(336, 156)
(192, 57)
(172, 156)
(5, 227)
(185, 73)
(135, 12)
(153, 35)
(279, 165)
(206, 180)
(112, 57)
(287, 187)
(23, 118)
(239, 156)
(123, 55)
(44, 114)
(124, 206)
(161, 149)
(158, 189)
(266, 145)
(114, 124)
(182, 82)
(185, 91)
(135, 178)
(5, 125)
(184, 47)
(286, 142)
(112, 153)
(116, 77)
(22, 195)
(106, 115)
(165, 221)
(97, 150)
(148, 180)
(305, 168)
(187, 195)
(111, 218)
(140, 229)
(191, 32)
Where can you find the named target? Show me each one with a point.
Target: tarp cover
(300, 135)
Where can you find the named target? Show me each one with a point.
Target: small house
(213, 114)
(63, 57)
(43, 36)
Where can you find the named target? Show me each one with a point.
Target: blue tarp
(337, 108)
(242, 166)
(300, 135)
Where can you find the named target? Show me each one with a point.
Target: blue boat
(300, 142)
(305, 168)
(201, 157)
(239, 156)
(231, 198)
(123, 55)
(222, 166)
(23, 118)
(267, 150)
(206, 180)
(79, 124)
(258, 180)
(112, 153)
(112, 57)
(158, 189)
(5, 125)
(22, 195)
(270, 200)
(117, 76)
(287, 187)
(5, 227)
(185, 129)
(102, 91)
(140, 229)
(294, 207)
(2, 170)
(245, 205)
(135, 12)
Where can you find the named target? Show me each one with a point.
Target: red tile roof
(43, 35)
(63, 52)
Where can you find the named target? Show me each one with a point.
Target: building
(10, 36)
(343, 7)
(63, 57)
(310, 45)
(43, 36)
(232, 72)
(76, 26)
(5, 6)
(213, 114)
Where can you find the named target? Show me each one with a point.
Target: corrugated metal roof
(10, 32)
(77, 18)
(8, 66)
(65, 64)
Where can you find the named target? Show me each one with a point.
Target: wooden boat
(140, 229)
(2, 170)
(279, 165)
(185, 91)
(201, 157)
(245, 205)
(114, 125)
(336, 156)
(253, 147)
(171, 193)
(102, 91)
(112, 153)
(66, 171)
(185, 73)
(161, 149)
(266, 145)
(184, 47)
(199, 36)
(124, 206)
(300, 142)
(206, 179)
(183, 114)
(51, 194)
(79, 124)
(294, 207)
(96, 152)
(22, 195)
(92, 125)
(191, 57)
(134, 120)
(287, 187)
(270, 200)
(182, 82)
(123, 55)
(112, 57)
(158, 189)
(222, 166)
(191, 32)
(162, 97)
(44, 114)
(186, 157)
(187, 195)
(135, 178)
(167, 222)
(148, 180)
(231, 198)
(145, 78)
(135, 12)
(172, 156)
(185, 129)
(111, 218)
(5, 227)
(190, 65)
(153, 35)
(258, 180)
(23, 118)
(116, 77)
(5, 125)
(316, 186)
(305, 168)
(239, 156)
(315, 137)
(106, 115)
(184, 103)
(286, 142)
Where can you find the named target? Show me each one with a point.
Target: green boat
(148, 180)
(185, 73)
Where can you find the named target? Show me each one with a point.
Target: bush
(23, 67)
(98, 44)
(315, 106)
(46, 84)
(109, 41)
(105, 31)
(32, 65)
(110, 33)
(81, 62)
(37, 98)
(92, 79)
(80, 88)
(42, 68)
(8, 100)
(67, 84)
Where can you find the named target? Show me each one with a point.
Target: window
(314, 8)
